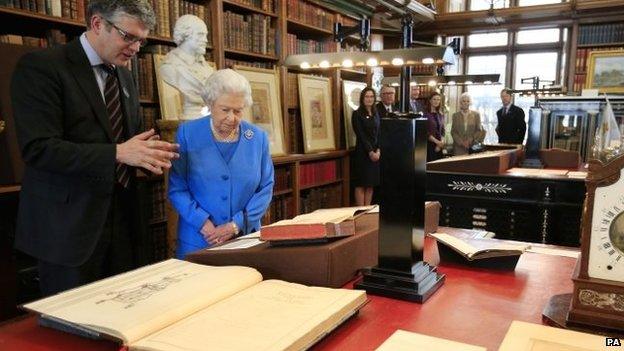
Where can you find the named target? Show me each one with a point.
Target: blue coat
(203, 186)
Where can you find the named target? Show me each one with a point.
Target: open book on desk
(402, 340)
(484, 253)
(319, 225)
(177, 305)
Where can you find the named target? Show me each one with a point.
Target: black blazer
(511, 127)
(366, 131)
(67, 145)
(381, 109)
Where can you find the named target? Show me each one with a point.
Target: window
(486, 98)
(537, 2)
(534, 36)
(542, 65)
(477, 5)
(456, 5)
(487, 39)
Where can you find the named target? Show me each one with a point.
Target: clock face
(606, 251)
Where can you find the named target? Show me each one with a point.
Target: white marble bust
(185, 67)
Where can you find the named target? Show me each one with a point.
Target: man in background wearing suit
(387, 103)
(78, 126)
(415, 105)
(511, 125)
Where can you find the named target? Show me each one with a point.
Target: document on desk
(181, 306)
(403, 340)
(238, 244)
(523, 336)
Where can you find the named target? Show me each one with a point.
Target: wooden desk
(473, 306)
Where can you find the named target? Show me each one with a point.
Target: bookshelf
(241, 32)
(588, 37)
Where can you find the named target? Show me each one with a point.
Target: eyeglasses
(127, 37)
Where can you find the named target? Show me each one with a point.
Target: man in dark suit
(387, 103)
(78, 126)
(511, 125)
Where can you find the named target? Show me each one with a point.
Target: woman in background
(466, 129)
(223, 181)
(365, 121)
(435, 127)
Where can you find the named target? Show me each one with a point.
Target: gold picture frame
(350, 102)
(316, 113)
(606, 71)
(169, 98)
(266, 111)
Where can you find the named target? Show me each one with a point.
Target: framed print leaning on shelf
(606, 71)
(350, 102)
(266, 111)
(316, 113)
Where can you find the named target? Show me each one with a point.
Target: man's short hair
(507, 91)
(385, 87)
(112, 9)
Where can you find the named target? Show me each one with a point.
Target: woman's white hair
(466, 95)
(226, 81)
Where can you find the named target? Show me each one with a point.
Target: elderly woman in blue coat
(223, 181)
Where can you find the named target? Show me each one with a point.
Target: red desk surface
(473, 306)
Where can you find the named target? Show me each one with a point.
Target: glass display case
(570, 122)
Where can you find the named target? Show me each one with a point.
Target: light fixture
(428, 61)
(304, 65)
(409, 56)
(397, 61)
(347, 63)
(458, 79)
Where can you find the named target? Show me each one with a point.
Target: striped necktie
(115, 116)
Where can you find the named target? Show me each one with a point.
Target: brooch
(248, 134)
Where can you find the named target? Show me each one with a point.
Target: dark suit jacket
(381, 109)
(67, 144)
(511, 127)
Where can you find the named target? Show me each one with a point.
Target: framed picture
(350, 102)
(606, 71)
(170, 100)
(266, 111)
(316, 113)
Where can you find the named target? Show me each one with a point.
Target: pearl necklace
(230, 138)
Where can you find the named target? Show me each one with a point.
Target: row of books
(150, 114)
(53, 37)
(258, 64)
(324, 197)
(310, 14)
(301, 46)
(292, 100)
(601, 33)
(70, 9)
(168, 11)
(282, 207)
(318, 172)
(295, 131)
(579, 81)
(282, 179)
(252, 33)
(157, 201)
(264, 5)
(146, 77)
